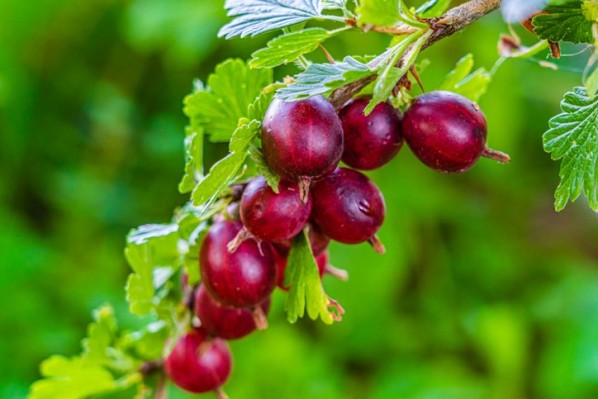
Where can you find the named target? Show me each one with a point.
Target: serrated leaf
(564, 22)
(149, 247)
(433, 8)
(334, 4)
(462, 81)
(100, 335)
(573, 138)
(230, 90)
(224, 172)
(288, 47)
(262, 168)
(258, 16)
(323, 78)
(147, 343)
(257, 110)
(306, 291)
(71, 379)
(193, 159)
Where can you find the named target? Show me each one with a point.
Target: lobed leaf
(306, 291)
(564, 22)
(320, 79)
(231, 89)
(573, 138)
(462, 81)
(258, 16)
(288, 47)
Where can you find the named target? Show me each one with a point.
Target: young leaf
(149, 248)
(462, 81)
(564, 22)
(257, 110)
(378, 12)
(262, 168)
(306, 291)
(323, 78)
(288, 47)
(231, 89)
(226, 170)
(573, 137)
(433, 8)
(258, 16)
(193, 157)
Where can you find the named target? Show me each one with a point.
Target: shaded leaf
(564, 22)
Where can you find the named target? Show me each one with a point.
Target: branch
(454, 20)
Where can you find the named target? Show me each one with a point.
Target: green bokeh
(485, 291)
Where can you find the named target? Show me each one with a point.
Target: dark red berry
(303, 138)
(281, 265)
(317, 240)
(240, 279)
(198, 364)
(270, 216)
(373, 140)
(348, 207)
(447, 132)
(224, 322)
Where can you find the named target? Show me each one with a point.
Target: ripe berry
(223, 322)
(348, 207)
(240, 279)
(317, 240)
(373, 140)
(197, 364)
(447, 132)
(270, 216)
(303, 138)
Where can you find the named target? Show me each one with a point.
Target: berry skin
(240, 279)
(446, 131)
(270, 216)
(303, 138)
(348, 207)
(198, 364)
(223, 322)
(370, 141)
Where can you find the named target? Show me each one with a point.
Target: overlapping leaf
(253, 17)
(564, 22)
(462, 81)
(573, 138)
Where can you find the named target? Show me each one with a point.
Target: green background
(485, 291)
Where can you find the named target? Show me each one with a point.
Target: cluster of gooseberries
(243, 256)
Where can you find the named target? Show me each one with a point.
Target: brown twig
(453, 21)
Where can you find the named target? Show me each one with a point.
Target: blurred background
(485, 291)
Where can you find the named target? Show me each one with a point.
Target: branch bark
(452, 21)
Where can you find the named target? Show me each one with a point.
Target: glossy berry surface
(317, 240)
(373, 140)
(240, 279)
(446, 131)
(197, 364)
(270, 216)
(223, 322)
(348, 206)
(302, 138)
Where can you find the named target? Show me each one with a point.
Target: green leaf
(258, 16)
(590, 10)
(573, 138)
(564, 22)
(591, 83)
(225, 171)
(231, 89)
(71, 379)
(378, 12)
(288, 47)
(262, 168)
(193, 159)
(150, 250)
(462, 81)
(306, 291)
(323, 78)
(257, 110)
(433, 8)
(147, 343)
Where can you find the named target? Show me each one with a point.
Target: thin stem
(327, 54)
(161, 388)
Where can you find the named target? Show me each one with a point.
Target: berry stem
(161, 391)
(304, 183)
(241, 236)
(496, 155)
(220, 394)
(377, 244)
(341, 274)
(259, 318)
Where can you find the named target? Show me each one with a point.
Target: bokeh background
(485, 291)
